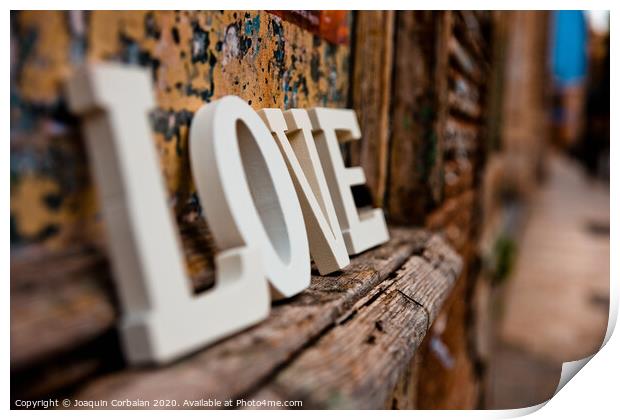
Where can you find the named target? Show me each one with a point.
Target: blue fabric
(570, 40)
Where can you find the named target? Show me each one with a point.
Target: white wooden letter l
(161, 318)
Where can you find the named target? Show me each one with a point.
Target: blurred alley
(556, 301)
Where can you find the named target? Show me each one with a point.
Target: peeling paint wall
(195, 57)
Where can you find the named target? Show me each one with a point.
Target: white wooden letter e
(161, 318)
(361, 228)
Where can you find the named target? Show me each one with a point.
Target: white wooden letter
(292, 131)
(364, 229)
(161, 318)
(247, 193)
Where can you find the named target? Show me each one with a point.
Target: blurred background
(489, 127)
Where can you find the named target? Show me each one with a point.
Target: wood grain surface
(397, 288)
(371, 96)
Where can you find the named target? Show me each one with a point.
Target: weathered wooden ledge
(342, 343)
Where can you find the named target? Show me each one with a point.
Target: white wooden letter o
(246, 191)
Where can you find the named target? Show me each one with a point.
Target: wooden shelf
(342, 343)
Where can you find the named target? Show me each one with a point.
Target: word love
(274, 190)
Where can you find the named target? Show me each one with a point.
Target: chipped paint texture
(195, 57)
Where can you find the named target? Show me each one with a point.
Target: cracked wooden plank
(63, 299)
(358, 362)
(58, 301)
(260, 349)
